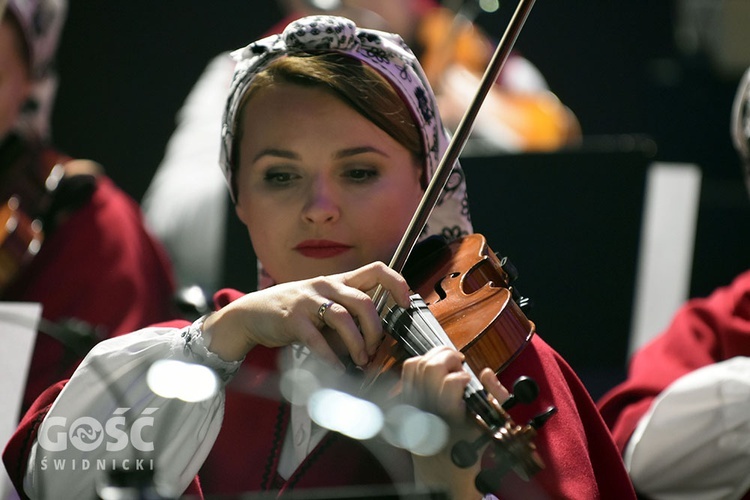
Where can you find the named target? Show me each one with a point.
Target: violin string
(474, 393)
(427, 342)
(424, 342)
(475, 385)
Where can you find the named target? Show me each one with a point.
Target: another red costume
(99, 266)
(681, 378)
(705, 331)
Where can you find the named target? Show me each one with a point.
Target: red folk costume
(581, 462)
(99, 266)
(704, 334)
(580, 459)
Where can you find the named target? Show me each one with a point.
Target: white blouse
(694, 443)
(107, 417)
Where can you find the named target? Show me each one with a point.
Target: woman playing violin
(330, 135)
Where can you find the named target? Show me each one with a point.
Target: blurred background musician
(520, 113)
(71, 240)
(681, 418)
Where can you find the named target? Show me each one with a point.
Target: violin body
(24, 196)
(20, 239)
(471, 303)
(469, 293)
(39, 187)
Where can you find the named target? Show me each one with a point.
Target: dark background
(126, 68)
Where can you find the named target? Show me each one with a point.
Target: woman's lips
(321, 249)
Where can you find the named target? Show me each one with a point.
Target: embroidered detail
(267, 481)
(424, 105)
(195, 348)
(451, 233)
(327, 441)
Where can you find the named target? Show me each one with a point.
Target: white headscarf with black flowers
(41, 23)
(389, 55)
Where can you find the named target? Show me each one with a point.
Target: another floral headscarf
(389, 55)
(41, 23)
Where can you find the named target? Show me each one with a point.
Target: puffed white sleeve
(695, 440)
(107, 418)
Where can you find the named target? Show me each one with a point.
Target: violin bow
(455, 147)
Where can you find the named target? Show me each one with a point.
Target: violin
(38, 187)
(465, 297)
(469, 291)
(20, 239)
(26, 194)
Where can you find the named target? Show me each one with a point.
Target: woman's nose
(321, 205)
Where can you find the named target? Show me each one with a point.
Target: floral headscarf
(389, 55)
(41, 23)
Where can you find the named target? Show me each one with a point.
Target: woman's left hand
(435, 382)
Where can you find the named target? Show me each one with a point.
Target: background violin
(519, 112)
(38, 188)
(26, 195)
(20, 239)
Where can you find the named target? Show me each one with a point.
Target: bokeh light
(297, 385)
(489, 5)
(344, 413)
(412, 429)
(189, 382)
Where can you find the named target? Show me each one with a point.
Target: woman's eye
(279, 178)
(362, 174)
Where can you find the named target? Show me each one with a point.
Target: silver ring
(323, 308)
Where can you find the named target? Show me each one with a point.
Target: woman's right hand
(288, 313)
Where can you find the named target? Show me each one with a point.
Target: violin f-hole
(439, 290)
